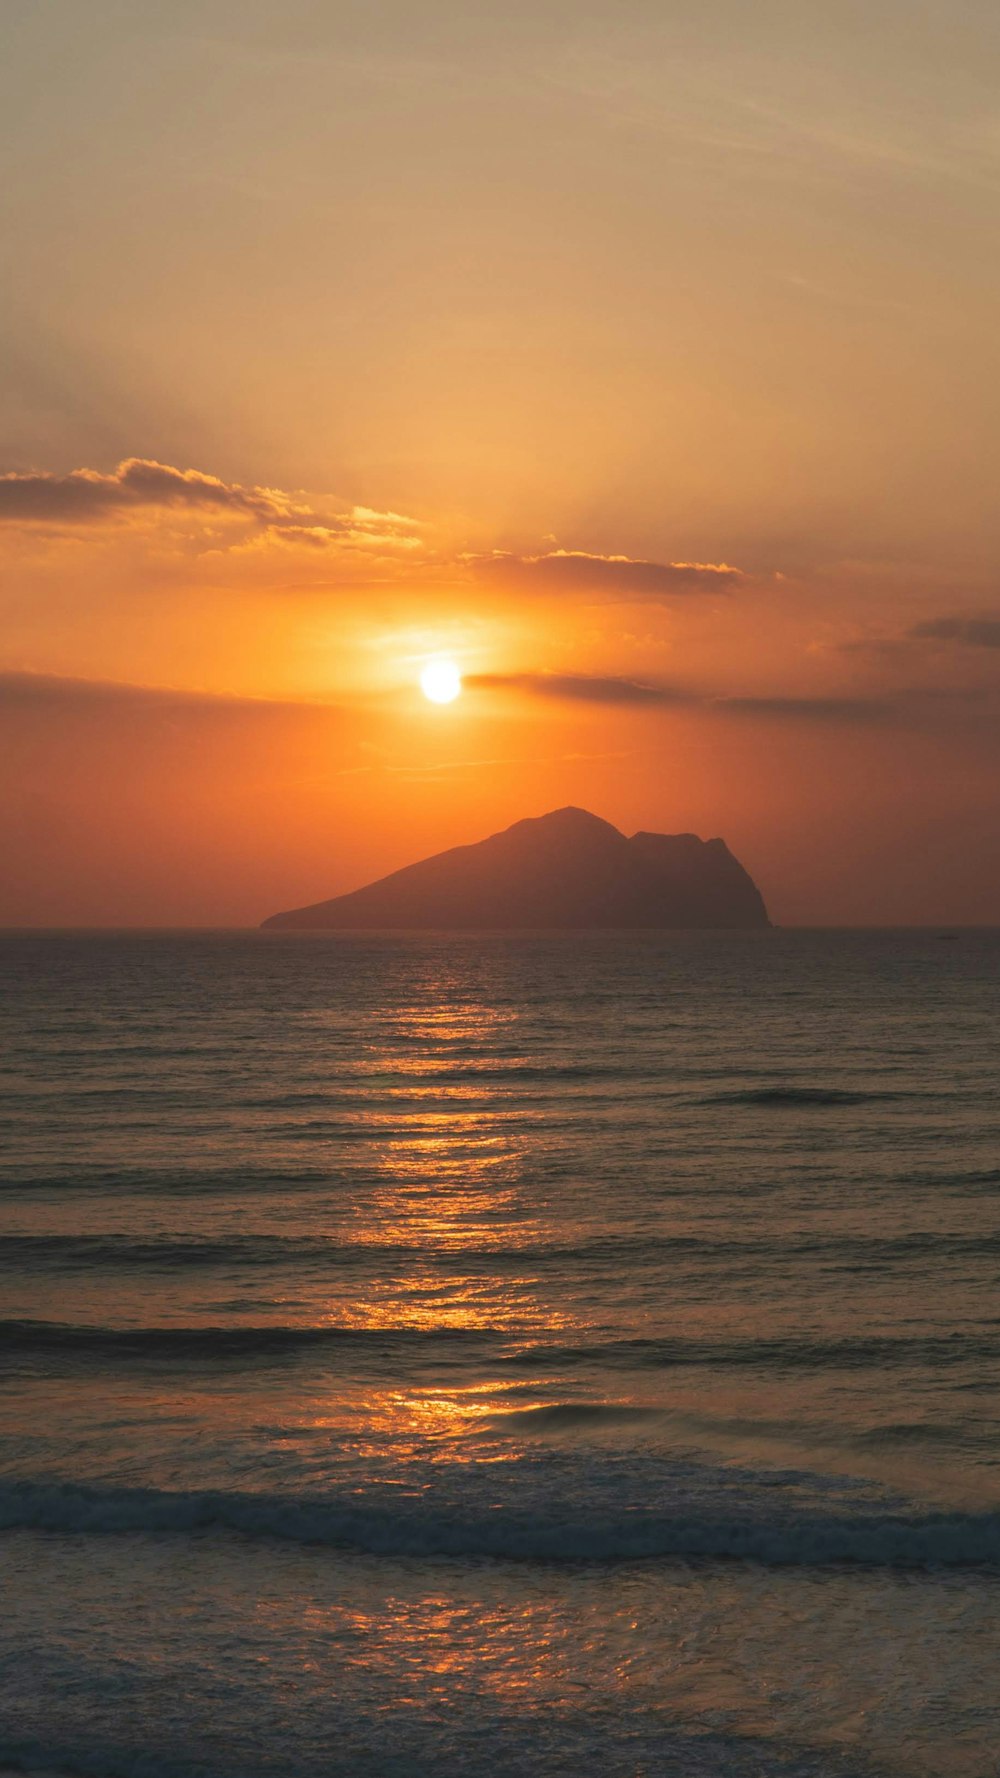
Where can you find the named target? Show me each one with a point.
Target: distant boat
(565, 869)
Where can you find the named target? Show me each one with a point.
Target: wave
(511, 1742)
(170, 1253)
(61, 1252)
(807, 1539)
(850, 1352)
(807, 1095)
(203, 1181)
(487, 1067)
(306, 1182)
(77, 1342)
(178, 1253)
(567, 1416)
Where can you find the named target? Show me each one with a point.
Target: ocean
(508, 1355)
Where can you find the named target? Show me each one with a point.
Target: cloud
(807, 709)
(26, 690)
(368, 531)
(982, 631)
(261, 519)
(54, 697)
(623, 577)
(86, 496)
(586, 688)
(612, 689)
(972, 632)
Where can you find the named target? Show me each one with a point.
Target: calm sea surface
(510, 1355)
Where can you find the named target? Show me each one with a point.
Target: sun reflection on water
(450, 1149)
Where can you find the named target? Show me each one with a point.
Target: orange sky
(642, 360)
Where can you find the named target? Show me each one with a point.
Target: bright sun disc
(440, 681)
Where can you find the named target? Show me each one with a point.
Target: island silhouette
(566, 869)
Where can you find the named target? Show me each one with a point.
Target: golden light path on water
(448, 1185)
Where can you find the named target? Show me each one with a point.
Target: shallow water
(510, 1353)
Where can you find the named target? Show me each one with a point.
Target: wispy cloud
(585, 688)
(621, 577)
(613, 688)
(972, 632)
(428, 772)
(817, 709)
(22, 690)
(925, 707)
(917, 705)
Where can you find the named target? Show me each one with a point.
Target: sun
(441, 681)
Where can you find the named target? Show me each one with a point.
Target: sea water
(511, 1354)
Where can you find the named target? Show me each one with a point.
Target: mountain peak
(563, 823)
(571, 815)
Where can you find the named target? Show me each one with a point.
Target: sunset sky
(639, 359)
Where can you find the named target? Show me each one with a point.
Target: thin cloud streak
(920, 705)
(583, 688)
(579, 571)
(613, 689)
(928, 709)
(972, 632)
(808, 709)
(24, 689)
